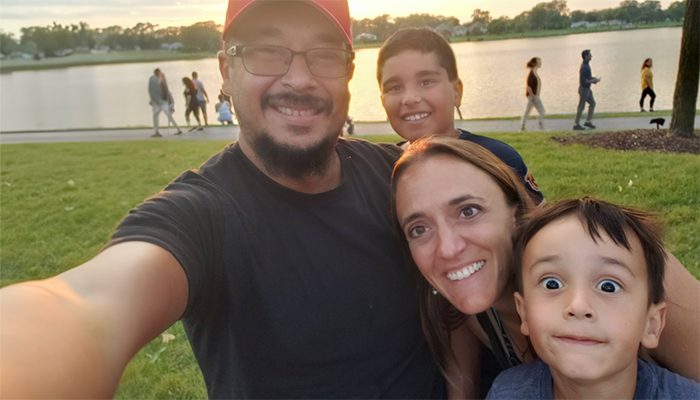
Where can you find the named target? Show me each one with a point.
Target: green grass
(113, 57)
(60, 202)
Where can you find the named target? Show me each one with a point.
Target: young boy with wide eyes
(590, 293)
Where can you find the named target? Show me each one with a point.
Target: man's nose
(298, 75)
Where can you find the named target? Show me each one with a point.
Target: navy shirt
(511, 157)
(585, 75)
(534, 381)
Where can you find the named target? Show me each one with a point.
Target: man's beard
(291, 162)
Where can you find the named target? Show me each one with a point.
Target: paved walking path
(230, 133)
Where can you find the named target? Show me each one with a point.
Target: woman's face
(458, 227)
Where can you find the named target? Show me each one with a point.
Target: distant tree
(521, 22)
(650, 11)
(144, 35)
(8, 44)
(578, 15)
(168, 35)
(500, 25)
(676, 10)
(418, 20)
(551, 15)
(482, 16)
(685, 96)
(111, 37)
(629, 11)
(201, 36)
(382, 27)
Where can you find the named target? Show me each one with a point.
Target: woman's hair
(619, 223)
(438, 316)
(189, 84)
(533, 61)
(424, 40)
(645, 63)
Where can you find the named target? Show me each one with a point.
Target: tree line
(54, 39)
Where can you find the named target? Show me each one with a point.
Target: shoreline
(145, 56)
(486, 120)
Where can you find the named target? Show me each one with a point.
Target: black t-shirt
(532, 82)
(293, 295)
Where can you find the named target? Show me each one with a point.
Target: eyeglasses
(275, 60)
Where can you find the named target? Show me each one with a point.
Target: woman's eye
(609, 286)
(469, 211)
(551, 283)
(416, 232)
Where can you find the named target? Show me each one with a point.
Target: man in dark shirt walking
(585, 94)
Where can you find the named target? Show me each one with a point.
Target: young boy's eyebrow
(605, 260)
(615, 262)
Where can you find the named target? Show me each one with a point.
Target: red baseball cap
(336, 10)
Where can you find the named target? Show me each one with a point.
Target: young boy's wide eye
(609, 286)
(551, 283)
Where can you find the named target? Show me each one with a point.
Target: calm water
(493, 75)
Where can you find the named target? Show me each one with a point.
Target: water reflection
(493, 74)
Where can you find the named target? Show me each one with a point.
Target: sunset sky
(15, 14)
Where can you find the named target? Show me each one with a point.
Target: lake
(493, 73)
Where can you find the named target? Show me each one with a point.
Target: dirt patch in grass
(639, 139)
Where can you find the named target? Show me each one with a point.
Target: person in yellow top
(647, 85)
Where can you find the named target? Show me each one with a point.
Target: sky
(15, 14)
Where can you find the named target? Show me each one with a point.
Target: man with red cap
(278, 254)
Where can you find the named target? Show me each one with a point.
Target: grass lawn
(60, 202)
(113, 57)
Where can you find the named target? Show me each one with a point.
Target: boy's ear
(656, 320)
(459, 90)
(522, 312)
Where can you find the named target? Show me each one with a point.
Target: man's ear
(224, 70)
(522, 312)
(351, 71)
(656, 320)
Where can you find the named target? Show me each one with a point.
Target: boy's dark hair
(614, 220)
(424, 40)
(585, 53)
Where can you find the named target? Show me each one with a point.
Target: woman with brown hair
(457, 205)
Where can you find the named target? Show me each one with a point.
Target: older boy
(590, 292)
(420, 86)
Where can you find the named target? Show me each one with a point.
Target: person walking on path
(647, 85)
(585, 94)
(532, 92)
(331, 312)
(191, 103)
(202, 96)
(161, 100)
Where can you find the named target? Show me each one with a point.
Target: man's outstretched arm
(73, 334)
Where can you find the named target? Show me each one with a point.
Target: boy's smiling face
(418, 97)
(585, 304)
